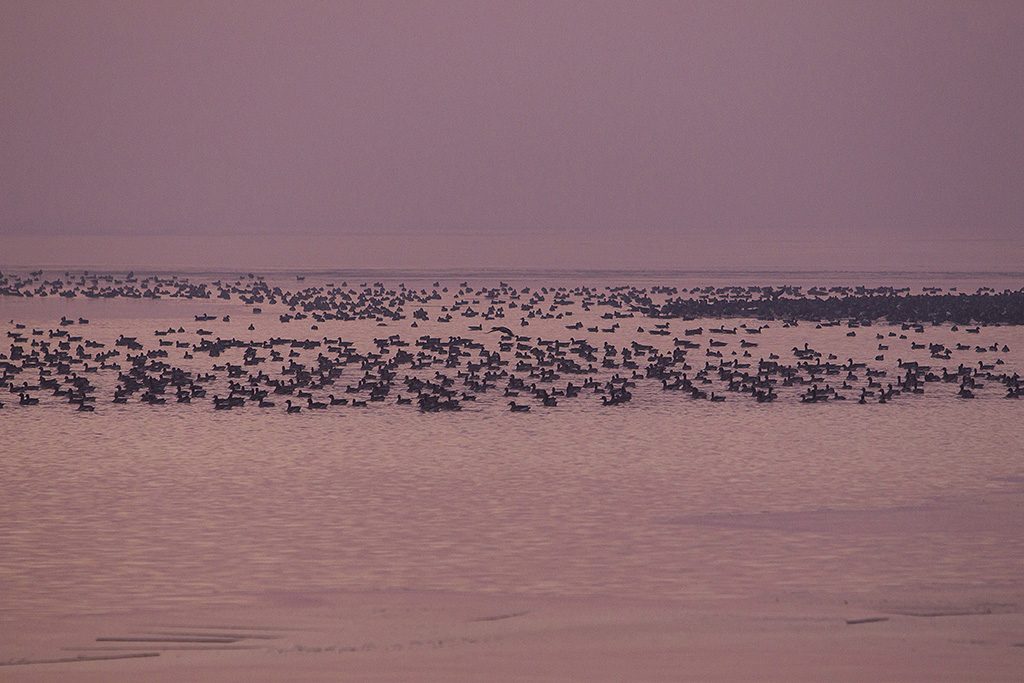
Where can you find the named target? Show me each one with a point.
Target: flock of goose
(492, 352)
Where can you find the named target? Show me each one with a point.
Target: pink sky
(832, 122)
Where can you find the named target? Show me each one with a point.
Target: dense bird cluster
(438, 373)
(332, 301)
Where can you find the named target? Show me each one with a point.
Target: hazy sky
(766, 122)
